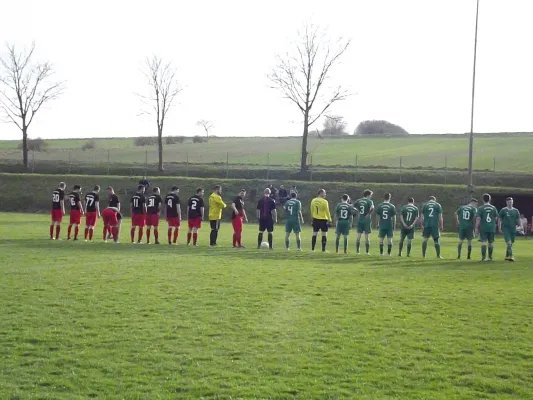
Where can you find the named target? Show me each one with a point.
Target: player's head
(293, 195)
(509, 201)
(217, 189)
(432, 198)
(522, 216)
(473, 202)
(387, 197)
(140, 189)
(486, 198)
(281, 186)
(110, 190)
(77, 188)
(345, 198)
(242, 193)
(321, 193)
(156, 190)
(174, 189)
(62, 185)
(96, 189)
(200, 192)
(266, 192)
(411, 200)
(368, 193)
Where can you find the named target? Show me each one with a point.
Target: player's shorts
(90, 218)
(214, 224)
(388, 232)
(364, 226)
(465, 233)
(343, 228)
(408, 233)
(237, 223)
(266, 224)
(110, 217)
(508, 235)
(152, 220)
(320, 225)
(195, 223)
(57, 215)
(292, 226)
(75, 217)
(431, 232)
(486, 237)
(138, 220)
(173, 222)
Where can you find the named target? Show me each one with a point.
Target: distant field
(511, 153)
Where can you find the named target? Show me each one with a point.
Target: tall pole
(471, 144)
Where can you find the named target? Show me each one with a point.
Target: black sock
(381, 248)
(358, 246)
(287, 243)
(337, 243)
(324, 242)
(270, 240)
(424, 248)
(367, 246)
(469, 251)
(389, 249)
(299, 243)
(437, 248)
(408, 249)
(215, 236)
(346, 244)
(259, 239)
(212, 238)
(400, 248)
(459, 249)
(491, 249)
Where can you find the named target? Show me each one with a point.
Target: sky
(409, 62)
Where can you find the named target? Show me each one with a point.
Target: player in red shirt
(138, 213)
(238, 216)
(58, 210)
(110, 219)
(173, 214)
(153, 209)
(195, 216)
(92, 211)
(76, 211)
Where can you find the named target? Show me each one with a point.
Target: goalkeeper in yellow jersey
(321, 218)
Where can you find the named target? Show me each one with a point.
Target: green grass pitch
(94, 320)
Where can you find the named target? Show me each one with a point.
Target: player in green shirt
(509, 219)
(293, 217)
(433, 223)
(465, 216)
(486, 218)
(408, 218)
(344, 220)
(364, 208)
(386, 213)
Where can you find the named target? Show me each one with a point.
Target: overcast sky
(410, 62)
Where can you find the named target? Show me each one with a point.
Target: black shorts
(266, 225)
(215, 224)
(320, 225)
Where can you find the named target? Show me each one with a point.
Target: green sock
(510, 250)
(345, 244)
(401, 248)
(437, 249)
(459, 249)
(337, 244)
(424, 248)
(491, 250)
(483, 252)
(408, 249)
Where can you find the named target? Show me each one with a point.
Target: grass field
(511, 153)
(94, 320)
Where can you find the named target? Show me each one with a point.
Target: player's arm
(179, 210)
(244, 215)
(62, 201)
(441, 222)
(499, 221)
(275, 215)
(415, 221)
(328, 214)
(202, 210)
(80, 205)
(478, 221)
(145, 208)
(394, 222)
(301, 216)
(234, 207)
(402, 221)
(118, 205)
(457, 217)
(221, 202)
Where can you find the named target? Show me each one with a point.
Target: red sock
(105, 233)
(156, 234)
(91, 232)
(132, 233)
(194, 238)
(86, 233)
(141, 231)
(169, 234)
(58, 229)
(189, 235)
(148, 232)
(114, 231)
(68, 231)
(234, 239)
(51, 231)
(76, 231)
(176, 234)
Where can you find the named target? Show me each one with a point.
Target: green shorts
(343, 228)
(508, 235)
(465, 233)
(486, 237)
(385, 232)
(431, 232)
(364, 226)
(408, 233)
(292, 226)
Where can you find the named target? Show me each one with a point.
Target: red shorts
(237, 224)
(152, 220)
(173, 222)
(195, 223)
(109, 217)
(57, 215)
(138, 220)
(90, 218)
(75, 217)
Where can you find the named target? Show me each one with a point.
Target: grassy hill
(509, 153)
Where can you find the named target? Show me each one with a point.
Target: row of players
(471, 220)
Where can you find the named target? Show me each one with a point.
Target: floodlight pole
(471, 143)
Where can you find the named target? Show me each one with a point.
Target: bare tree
(334, 125)
(164, 87)
(207, 125)
(301, 77)
(25, 86)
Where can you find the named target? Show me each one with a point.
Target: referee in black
(267, 216)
